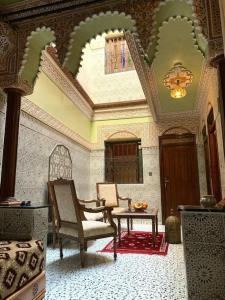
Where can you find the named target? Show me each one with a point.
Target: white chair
(109, 193)
(71, 221)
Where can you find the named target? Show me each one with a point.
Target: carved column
(9, 158)
(219, 63)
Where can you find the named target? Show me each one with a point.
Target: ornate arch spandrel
(176, 130)
(8, 55)
(122, 135)
(60, 163)
(64, 20)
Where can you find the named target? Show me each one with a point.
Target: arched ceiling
(176, 37)
(170, 9)
(177, 44)
(91, 27)
(36, 42)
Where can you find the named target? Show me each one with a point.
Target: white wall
(101, 87)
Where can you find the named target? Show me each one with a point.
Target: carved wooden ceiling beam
(208, 15)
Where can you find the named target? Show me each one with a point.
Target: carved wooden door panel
(179, 172)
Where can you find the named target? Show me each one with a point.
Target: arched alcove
(91, 27)
(36, 42)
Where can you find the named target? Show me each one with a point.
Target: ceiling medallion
(177, 79)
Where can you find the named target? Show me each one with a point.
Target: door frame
(179, 138)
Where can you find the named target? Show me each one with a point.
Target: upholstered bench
(21, 270)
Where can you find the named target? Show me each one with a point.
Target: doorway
(178, 172)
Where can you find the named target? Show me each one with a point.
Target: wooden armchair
(71, 221)
(109, 193)
(89, 216)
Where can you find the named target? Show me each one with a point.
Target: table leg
(153, 231)
(128, 226)
(119, 230)
(156, 223)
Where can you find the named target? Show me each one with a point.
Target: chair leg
(131, 223)
(85, 246)
(114, 247)
(61, 248)
(82, 247)
(54, 239)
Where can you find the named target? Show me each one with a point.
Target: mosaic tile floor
(131, 277)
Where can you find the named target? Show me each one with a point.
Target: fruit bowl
(140, 206)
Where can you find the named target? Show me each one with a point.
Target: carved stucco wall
(36, 142)
(211, 100)
(103, 87)
(148, 132)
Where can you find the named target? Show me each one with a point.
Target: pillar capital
(9, 61)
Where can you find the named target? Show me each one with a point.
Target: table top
(24, 207)
(147, 213)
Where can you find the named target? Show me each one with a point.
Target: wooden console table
(151, 214)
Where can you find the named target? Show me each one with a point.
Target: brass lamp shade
(177, 79)
(178, 92)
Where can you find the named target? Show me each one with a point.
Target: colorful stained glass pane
(117, 56)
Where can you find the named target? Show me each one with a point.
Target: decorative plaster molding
(27, 49)
(141, 69)
(55, 73)
(203, 87)
(140, 130)
(30, 108)
(122, 113)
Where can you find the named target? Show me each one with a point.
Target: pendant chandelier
(177, 79)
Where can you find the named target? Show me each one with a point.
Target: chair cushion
(117, 210)
(90, 228)
(93, 216)
(94, 228)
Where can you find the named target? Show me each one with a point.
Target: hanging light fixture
(177, 79)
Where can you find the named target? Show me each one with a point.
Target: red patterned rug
(139, 242)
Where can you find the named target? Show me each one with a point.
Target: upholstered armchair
(109, 193)
(71, 221)
(98, 216)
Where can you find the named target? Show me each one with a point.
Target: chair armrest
(89, 201)
(102, 200)
(126, 199)
(96, 210)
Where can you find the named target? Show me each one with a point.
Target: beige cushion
(93, 216)
(93, 228)
(90, 228)
(117, 210)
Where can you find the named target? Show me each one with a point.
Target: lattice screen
(60, 163)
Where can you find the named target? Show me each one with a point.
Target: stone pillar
(219, 63)
(9, 157)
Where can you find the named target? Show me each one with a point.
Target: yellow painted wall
(50, 98)
(97, 124)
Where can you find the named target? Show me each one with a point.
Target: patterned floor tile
(131, 277)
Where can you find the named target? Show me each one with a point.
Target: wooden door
(207, 161)
(214, 163)
(179, 172)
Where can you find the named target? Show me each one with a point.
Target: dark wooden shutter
(123, 162)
